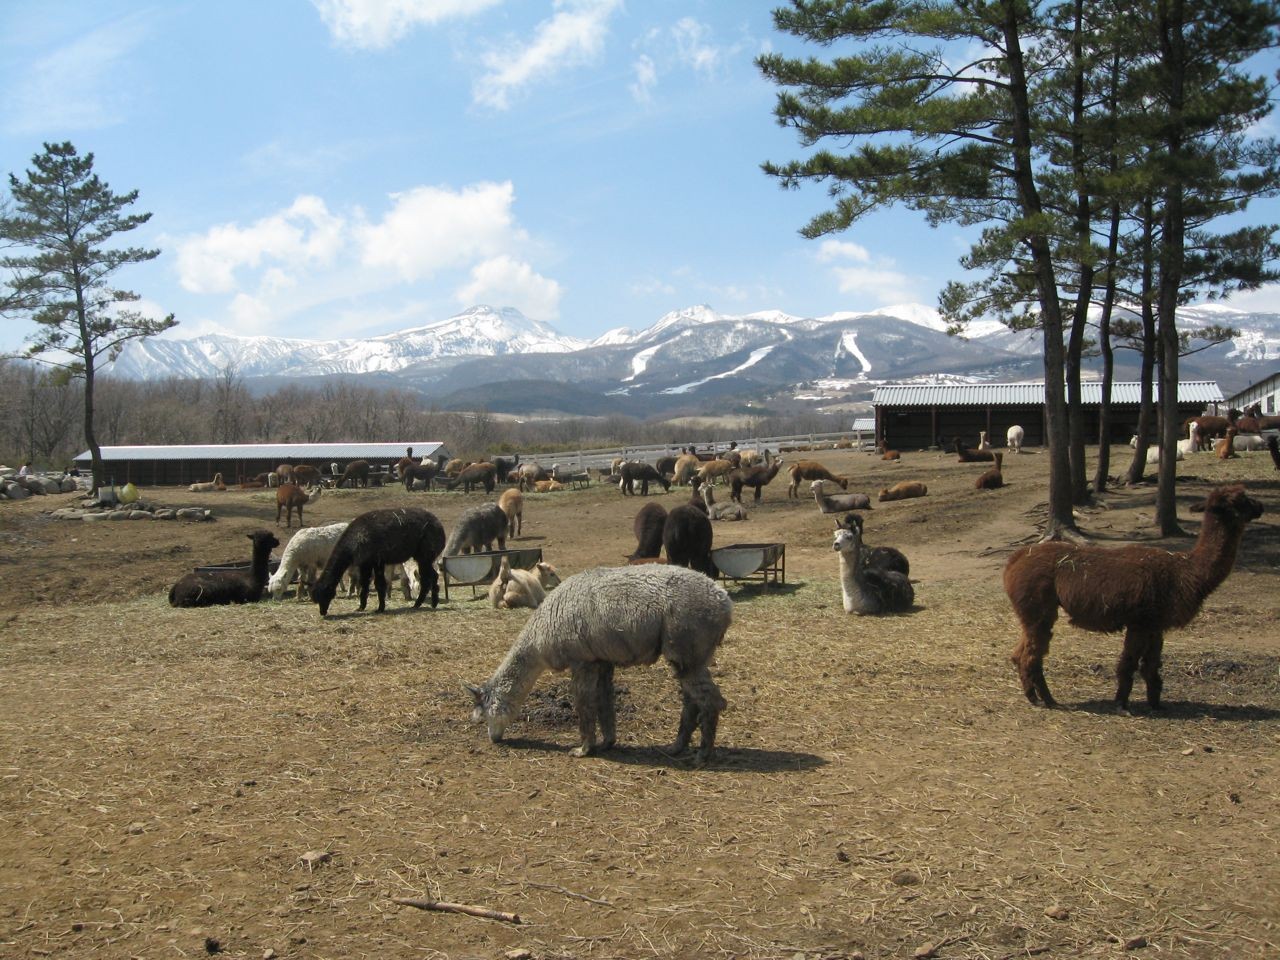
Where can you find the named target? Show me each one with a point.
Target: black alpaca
(217, 587)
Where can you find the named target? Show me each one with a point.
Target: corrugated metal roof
(283, 452)
(1025, 394)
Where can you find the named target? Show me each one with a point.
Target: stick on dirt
(467, 909)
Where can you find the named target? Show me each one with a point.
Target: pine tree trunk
(1061, 517)
(1108, 356)
(1146, 406)
(1169, 18)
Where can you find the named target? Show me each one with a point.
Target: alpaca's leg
(585, 682)
(703, 704)
(604, 701)
(689, 717)
(380, 581)
(1150, 667)
(366, 571)
(1028, 656)
(1135, 644)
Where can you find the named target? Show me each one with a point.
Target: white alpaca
(1014, 438)
(867, 590)
(983, 442)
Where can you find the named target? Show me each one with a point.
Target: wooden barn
(179, 465)
(917, 416)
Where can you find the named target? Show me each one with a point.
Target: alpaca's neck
(1214, 554)
(261, 554)
(516, 675)
(857, 597)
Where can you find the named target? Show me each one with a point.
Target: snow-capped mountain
(694, 357)
(480, 331)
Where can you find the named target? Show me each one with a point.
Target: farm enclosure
(256, 778)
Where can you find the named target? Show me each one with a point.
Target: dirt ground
(259, 782)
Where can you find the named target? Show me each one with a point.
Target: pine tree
(955, 139)
(61, 220)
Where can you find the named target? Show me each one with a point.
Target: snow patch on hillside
(755, 357)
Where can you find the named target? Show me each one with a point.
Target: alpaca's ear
(477, 693)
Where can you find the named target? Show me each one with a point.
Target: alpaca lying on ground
(867, 589)
(212, 485)
(377, 539)
(1141, 590)
(477, 529)
(218, 587)
(721, 511)
(877, 558)
(617, 617)
(906, 490)
(840, 502)
(1225, 448)
(993, 479)
(968, 455)
(521, 588)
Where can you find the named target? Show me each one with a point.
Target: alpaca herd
(604, 618)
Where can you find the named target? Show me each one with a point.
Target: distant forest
(43, 419)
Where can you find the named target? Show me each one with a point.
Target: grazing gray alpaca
(477, 529)
(617, 617)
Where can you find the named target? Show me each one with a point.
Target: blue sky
(348, 168)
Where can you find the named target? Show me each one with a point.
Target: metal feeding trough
(744, 561)
(480, 569)
(273, 564)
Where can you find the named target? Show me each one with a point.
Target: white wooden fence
(604, 456)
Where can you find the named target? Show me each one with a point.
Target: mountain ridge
(691, 357)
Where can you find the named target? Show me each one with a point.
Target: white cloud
(372, 24)
(646, 78)
(79, 86)
(347, 272)
(1266, 299)
(504, 281)
(692, 46)
(831, 250)
(856, 271)
(648, 288)
(573, 36)
(430, 228)
(686, 45)
(305, 233)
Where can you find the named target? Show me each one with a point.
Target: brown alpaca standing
(1274, 446)
(1141, 590)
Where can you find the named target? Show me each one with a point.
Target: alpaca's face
(488, 710)
(845, 541)
(547, 575)
(323, 596)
